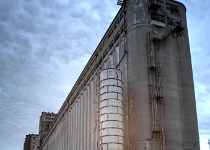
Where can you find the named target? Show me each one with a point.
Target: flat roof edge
(181, 4)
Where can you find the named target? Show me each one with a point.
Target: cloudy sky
(45, 44)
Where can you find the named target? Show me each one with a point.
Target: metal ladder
(155, 92)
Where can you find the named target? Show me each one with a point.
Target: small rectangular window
(158, 17)
(174, 10)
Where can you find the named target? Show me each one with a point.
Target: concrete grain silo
(136, 92)
(161, 91)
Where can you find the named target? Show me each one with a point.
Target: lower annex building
(31, 142)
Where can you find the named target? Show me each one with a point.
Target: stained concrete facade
(45, 122)
(136, 92)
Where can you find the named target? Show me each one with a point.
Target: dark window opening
(174, 10)
(159, 3)
(158, 17)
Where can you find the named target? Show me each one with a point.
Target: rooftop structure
(31, 142)
(46, 120)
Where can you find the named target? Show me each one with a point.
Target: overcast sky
(45, 44)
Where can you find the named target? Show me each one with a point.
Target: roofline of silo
(181, 4)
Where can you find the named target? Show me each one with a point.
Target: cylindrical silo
(162, 112)
(155, 107)
(111, 110)
(190, 134)
(140, 115)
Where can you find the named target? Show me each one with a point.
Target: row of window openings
(158, 17)
(172, 9)
(161, 18)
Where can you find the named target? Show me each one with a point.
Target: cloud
(44, 45)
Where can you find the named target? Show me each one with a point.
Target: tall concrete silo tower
(161, 100)
(136, 91)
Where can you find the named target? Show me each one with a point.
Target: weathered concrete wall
(77, 125)
(157, 111)
(138, 92)
(162, 113)
(78, 128)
